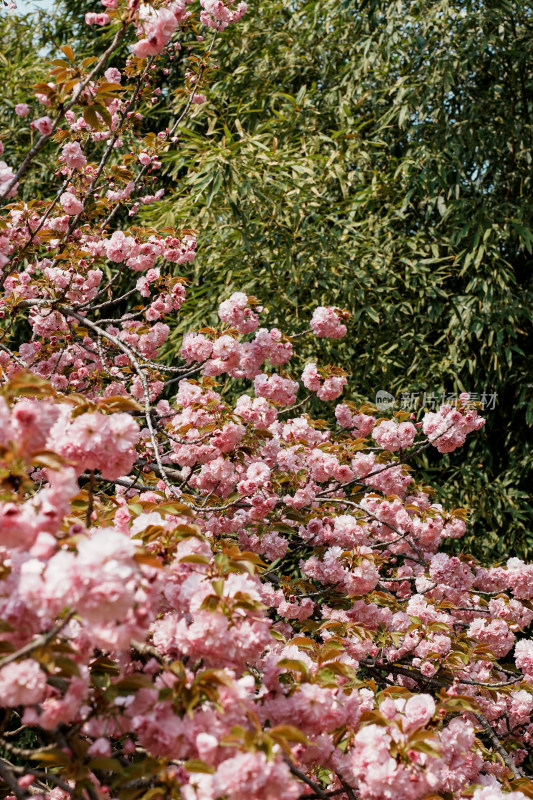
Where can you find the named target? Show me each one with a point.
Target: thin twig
(41, 641)
(303, 777)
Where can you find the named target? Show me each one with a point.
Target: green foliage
(29, 42)
(22, 63)
(378, 157)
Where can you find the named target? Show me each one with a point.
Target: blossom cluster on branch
(203, 598)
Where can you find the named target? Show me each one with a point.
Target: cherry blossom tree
(206, 598)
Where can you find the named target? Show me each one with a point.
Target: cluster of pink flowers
(326, 322)
(96, 19)
(273, 387)
(6, 177)
(73, 155)
(218, 15)
(71, 204)
(236, 312)
(96, 441)
(447, 428)
(22, 109)
(326, 389)
(392, 436)
(156, 27)
(22, 684)
(239, 359)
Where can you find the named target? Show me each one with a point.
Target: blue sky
(29, 5)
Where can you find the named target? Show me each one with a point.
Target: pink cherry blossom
(237, 313)
(252, 775)
(71, 204)
(274, 387)
(73, 155)
(43, 125)
(22, 683)
(394, 436)
(326, 322)
(96, 19)
(447, 428)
